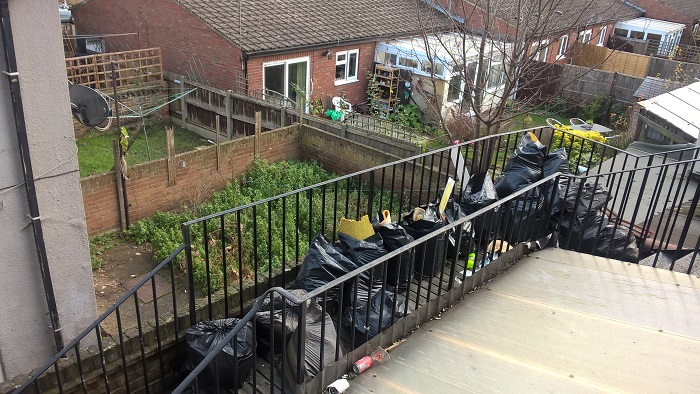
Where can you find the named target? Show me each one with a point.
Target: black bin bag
(454, 212)
(478, 194)
(430, 255)
(524, 167)
(592, 199)
(234, 363)
(581, 234)
(379, 311)
(317, 323)
(362, 252)
(269, 317)
(400, 270)
(555, 162)
(322, 264)
(617, 242)
(525, 219)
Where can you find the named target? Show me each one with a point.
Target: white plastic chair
(553, 123)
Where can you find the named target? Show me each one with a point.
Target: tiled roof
(555, 16)
(652, 87)
(269, 25)
(688, 7)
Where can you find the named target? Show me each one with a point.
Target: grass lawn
(537, 120)
(95, 147)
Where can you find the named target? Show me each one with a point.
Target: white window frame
(585, 36)
(346, 62)
(286, 63)
(562, 52)
(543, 46)
(601, 37)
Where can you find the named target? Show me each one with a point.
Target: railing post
(370, 197)
(689, 219)
(190, 274)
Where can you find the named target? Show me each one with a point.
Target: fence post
(183, 104)
(283, 116)
(170, 152)
(229, 115)
(258, 131)
(218, 143)
(120, 185)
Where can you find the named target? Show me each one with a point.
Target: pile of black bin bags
(582, 228)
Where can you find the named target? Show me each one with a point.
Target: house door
(281, 78)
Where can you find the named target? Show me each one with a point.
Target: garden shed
(671, 118)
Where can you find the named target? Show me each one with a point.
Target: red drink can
(362, 364)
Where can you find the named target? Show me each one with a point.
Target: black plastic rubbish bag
(582, 234)
(525, 219)
(555, 162)
(234, 363)
(617, 242)
(524, 167)
(454, 212)
(592, 199)
(322, 264)
(316, 322)
(478, 194)
(400, 270)
(270, 317)
(430, 255)
(362, 252)
(389, 314)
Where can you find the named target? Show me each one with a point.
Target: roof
(277, 25)
(557, 16)
(648, 24)
(653, 86)
(688, 7)
(679, 108)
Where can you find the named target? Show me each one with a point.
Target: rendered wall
(26, 339)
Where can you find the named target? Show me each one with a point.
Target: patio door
(280, 79)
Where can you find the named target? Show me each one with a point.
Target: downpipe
(21, 128)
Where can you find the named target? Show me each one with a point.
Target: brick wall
(553, 50)
(322, 71)
(196, 179)
(162, 23)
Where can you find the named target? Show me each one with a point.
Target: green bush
(268, 234)
(580, 146)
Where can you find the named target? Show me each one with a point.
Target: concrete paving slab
(558, 321)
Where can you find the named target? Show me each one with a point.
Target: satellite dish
(89, 107)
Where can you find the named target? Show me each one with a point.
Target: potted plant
(589, 124)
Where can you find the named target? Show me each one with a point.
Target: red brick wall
(573, 37)
(322, 71)
(148, 189)
(162, 23)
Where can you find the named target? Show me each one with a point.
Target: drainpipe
(21, 128)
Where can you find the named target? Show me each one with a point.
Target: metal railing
(244, 255)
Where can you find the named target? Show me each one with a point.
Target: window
(281, 78)
(427, 68)
(601, 37)
(495, 77)
(652, 36)
(585, 36)
(386, 58)
(455, 87)
(540, 51)
(563, 44)
(346, 66)
(637, 34)
(621, 32)
(408, 62)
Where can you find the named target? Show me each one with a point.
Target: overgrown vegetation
(260, 238)
(99, 245)
(580, 146)
(95, 147)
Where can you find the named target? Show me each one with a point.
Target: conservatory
(661, 36)
(438, 67)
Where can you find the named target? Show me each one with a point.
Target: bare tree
(496, 47)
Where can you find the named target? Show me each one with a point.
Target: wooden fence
(217, 114)
(136, 69)
(581, 84)
(674, 70)
(605, 59)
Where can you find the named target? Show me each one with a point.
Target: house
(323, 47)
(686, 12)
(658, 37)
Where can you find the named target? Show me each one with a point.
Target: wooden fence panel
(672, 69)
(135, 69)
(605, 59)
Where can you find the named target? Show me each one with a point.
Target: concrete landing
(558, 321)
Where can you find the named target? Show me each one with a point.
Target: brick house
(686, 12)
(326, 48)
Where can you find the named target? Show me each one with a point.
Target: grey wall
(26, 340)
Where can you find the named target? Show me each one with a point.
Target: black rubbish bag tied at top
(400, 270)
(592, 198)
(480, 193)
(234, 363)
(382, 314)
(524, 167)
(323, 263)
(430, 255)
(363, 252)
(274, 323)
(319, 345)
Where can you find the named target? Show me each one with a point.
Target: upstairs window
(563, 46)
(601, 37)
(346, 66)
(585, 36)
(540, 50)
